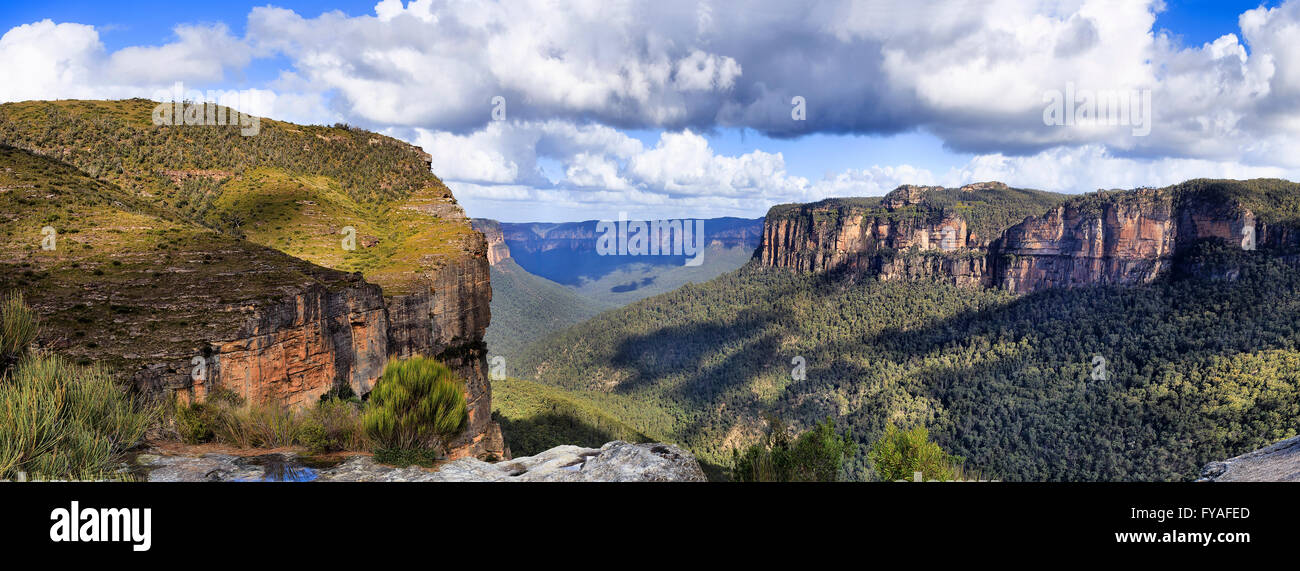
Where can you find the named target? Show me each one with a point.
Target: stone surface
(614, 462)
(1277, 463)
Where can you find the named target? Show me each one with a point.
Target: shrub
(18, 327)
(418, 403)
(192, 422)
(816, 456)
(899, 454)
(333, 425)
(64, 421)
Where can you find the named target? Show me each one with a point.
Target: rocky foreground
(1277, 463)
(614, 462)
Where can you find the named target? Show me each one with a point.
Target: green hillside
(124, 279)
(1196, 369)
(535, 417)
(291, 187)
(526, 308)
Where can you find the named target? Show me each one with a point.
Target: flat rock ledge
(1279, 462)
(616, 461)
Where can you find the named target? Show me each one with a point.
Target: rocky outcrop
(1127, 237)
(614, 462)
(897, 237)
(1277, 463)
(497, 249)
(290, 352)
(1108, 237)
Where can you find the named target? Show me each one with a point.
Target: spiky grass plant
(18, 327)
(418, 403)
(61, 420)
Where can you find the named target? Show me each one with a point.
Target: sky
(584, 109)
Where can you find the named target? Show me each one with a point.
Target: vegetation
(526, 308)
(18, 326)
(818, 455)
(1196, 370)
(902, 454)
(293, 188)
(330, 426)
(59, 420)
(417, 404)
(535, 417)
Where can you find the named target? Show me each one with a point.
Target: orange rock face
(842, 237)
(1125, 237)
(496, 240)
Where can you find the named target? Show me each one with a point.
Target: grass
(64, 421)
(331, 426)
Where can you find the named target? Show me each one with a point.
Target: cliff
(496, 240)
(913, 232)
(1108, 237)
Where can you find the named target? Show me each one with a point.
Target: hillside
(535, 417)
(526, 308)
(291, 187)
(127, 285)
(1193, 369)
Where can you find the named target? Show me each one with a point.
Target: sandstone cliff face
(869, 238)
(295, 350)
(448, 321)
(1122, 238)
(1122, 241)
(1114, 237)
(497, 249)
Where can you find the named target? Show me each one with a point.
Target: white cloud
(48, 60)
(578, 76)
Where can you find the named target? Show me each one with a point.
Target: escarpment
(913, 232)
(496, 240)
(952, 235)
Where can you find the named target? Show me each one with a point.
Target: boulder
(1277, 463)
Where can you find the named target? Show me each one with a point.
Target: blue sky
(883, 110)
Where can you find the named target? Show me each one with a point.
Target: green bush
(417, 404)
(333, 425)
(900, 454)
(192, 423)
(18, 326)
(818, 455)
(59, 420)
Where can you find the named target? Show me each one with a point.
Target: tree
(816, 456)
